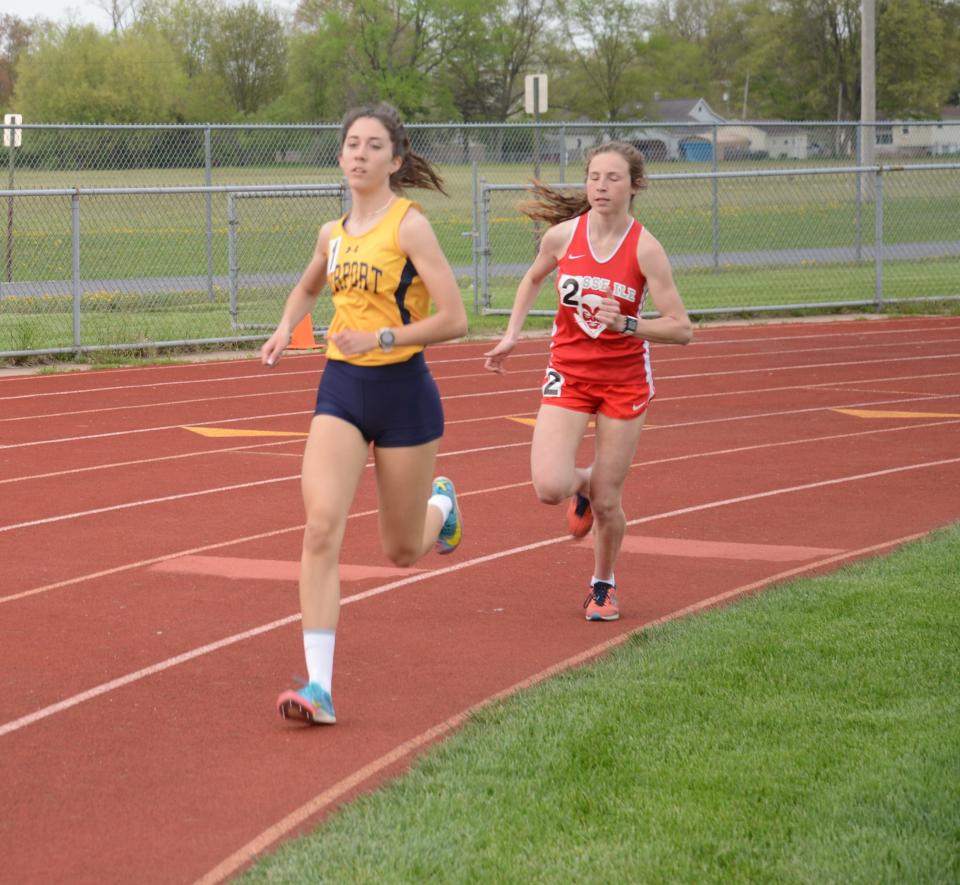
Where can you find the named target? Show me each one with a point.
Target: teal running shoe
(452, 531)
(310, 704)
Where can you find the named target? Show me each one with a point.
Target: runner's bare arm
(301, 299)
(673, 325)
(552, 246)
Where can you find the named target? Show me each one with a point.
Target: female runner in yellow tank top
(385, 267)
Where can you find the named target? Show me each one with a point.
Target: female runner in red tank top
(606, 263)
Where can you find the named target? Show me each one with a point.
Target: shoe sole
(579, 525)
(291, 709)
(442, 547)
(615, 617)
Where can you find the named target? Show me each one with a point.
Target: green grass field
(161, 235)
(808, 734)
(130, 242)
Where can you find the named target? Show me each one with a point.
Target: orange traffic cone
(302, 337)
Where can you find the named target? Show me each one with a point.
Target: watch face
(386, 338)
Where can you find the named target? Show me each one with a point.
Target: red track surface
(148, 606)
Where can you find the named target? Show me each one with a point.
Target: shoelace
(598, 592)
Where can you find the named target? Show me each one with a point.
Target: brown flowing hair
(414, 171)
(552, 206)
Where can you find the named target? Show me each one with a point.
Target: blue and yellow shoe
(452, 530)
(311, 704)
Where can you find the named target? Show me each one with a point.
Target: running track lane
(122, 761)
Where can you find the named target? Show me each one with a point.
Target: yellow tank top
(374, 284)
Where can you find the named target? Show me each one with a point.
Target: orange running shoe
(579, 516)
(601, 602)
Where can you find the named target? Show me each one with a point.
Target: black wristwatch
(386, 339)
(629, 325)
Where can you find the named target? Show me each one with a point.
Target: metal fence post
(232, 257)
(878, 237)
(8, 276)
(474, 245)
(715, 209)
(208, 179)
(563, 154)
(858, 207)
(75, 265)
(484, 244)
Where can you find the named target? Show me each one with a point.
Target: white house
(922, 138)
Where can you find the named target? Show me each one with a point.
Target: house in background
(922, 138)
(685, 110)
(779, 141)
(661, 141)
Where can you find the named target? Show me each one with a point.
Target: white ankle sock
(442, 503)
(318, 650)
(611, 580)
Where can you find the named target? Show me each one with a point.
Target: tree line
(193, 61)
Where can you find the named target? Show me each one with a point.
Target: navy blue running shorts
(392, 406)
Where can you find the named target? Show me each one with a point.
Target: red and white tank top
(582, 347)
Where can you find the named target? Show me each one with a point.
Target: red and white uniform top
(582, 348)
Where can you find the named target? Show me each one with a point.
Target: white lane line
(686, 457)
(310, 390)
(239, 486)
(47, 520)
(103, 688)
(470, 395)
(539, 349)
(408, 748)
(144, 406)
(253, 449)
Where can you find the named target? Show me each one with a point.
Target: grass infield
(807, 734)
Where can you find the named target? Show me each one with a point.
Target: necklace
(373, 215)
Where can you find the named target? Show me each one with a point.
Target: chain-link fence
(768, 240)
(130, 235)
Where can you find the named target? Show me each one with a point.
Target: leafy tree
(78, 75)
(389, 49)
(603, 39)
(248, 50)
(185, 24)
(805, 59)
(950, 14)
(14, 37)
(912, 77)
(496, 43)
(316, 69)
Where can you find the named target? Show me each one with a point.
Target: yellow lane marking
(234, 432)
(871, 413)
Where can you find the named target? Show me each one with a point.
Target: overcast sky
(83, 11)
(58, 11)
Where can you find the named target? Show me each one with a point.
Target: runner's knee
(400, 552)
(322, 534)
(606, 504)
(549, 491)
